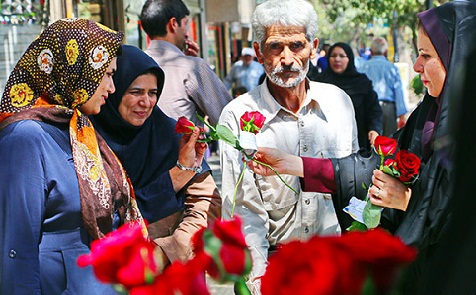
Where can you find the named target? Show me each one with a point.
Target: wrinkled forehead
(278, 32)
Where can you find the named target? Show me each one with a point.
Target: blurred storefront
(220, 27)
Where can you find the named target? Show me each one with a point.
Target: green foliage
(352, 21)
(417, 85)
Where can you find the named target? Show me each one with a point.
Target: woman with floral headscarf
(60, 185)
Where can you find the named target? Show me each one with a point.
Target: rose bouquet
(404, 166)
(250, 124)
(125, 258)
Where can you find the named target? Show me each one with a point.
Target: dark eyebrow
(138, 88)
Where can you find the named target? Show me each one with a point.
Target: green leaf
(387, 170)
(357, 226)
(371, 215)
(227, 136)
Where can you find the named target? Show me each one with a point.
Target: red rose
(382, 253)
(385, 146)
(224, 243)
(295, 267)
(318, 266)
(389, 162)
(336, 265)
(178, 278)
(252, 121)
(123, 256)
(184, 125)
(408, 164)
(229, 232)
(362, 246)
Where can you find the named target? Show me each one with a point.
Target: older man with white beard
(303, 118)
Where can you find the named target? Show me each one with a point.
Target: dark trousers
(389, 117)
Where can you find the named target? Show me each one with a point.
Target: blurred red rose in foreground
(224, 245)
(178, 278)
(123, 256)
(337, 265)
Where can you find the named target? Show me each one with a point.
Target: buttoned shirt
(386, 81)
(242, 75)
(190, 84)
(271, 212)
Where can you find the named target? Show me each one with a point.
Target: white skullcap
(247, 51)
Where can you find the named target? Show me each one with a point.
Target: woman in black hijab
(175, 202)
(342, 73)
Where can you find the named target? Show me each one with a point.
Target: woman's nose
(112, 88)
(418, 67)
(145, 101)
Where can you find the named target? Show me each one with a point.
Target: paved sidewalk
(214, 163)
(214, 287)
(219, 289)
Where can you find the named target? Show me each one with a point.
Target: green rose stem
(236, 188)
(240, 287)
(382, 158)
(241, 178)
(276, 172)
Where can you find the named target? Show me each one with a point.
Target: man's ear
(172, 25)
(258, 53)
(315, 44)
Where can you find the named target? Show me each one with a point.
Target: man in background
(387, 83)
(190, 84)
(323, 62)
(245, 72)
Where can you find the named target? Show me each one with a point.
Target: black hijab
(451, 29)
(358, 86)
(351, 81)
(431, 210)
(145, 151)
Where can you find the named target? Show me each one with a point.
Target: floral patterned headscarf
(58, 73)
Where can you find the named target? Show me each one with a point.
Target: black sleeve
(350, 173)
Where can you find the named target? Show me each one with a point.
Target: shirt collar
(164, 44)
(271, 107)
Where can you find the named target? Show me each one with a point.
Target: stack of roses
(337, 265)
(404, 166)
(321, 265)
(125, 258)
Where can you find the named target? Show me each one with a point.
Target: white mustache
(281, 69)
